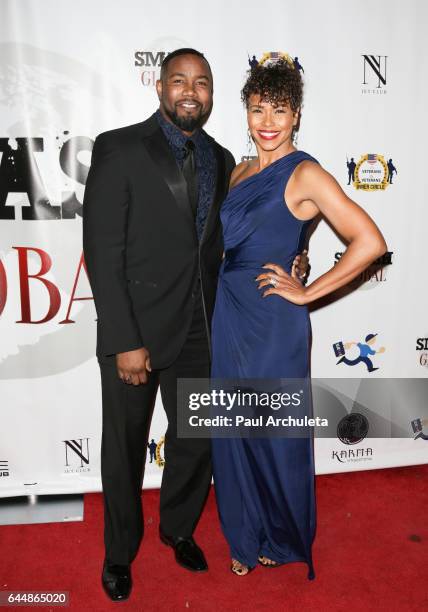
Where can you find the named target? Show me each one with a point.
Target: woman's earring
(295, 137)
(249, 143)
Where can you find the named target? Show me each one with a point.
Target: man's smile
(188, 105)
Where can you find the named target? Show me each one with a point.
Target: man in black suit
(153, 246)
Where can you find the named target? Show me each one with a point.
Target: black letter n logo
(378, 65)
(78, 447)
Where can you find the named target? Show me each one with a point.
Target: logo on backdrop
(159, 457)
(271, 57)
(151, 62)
(420, 429)
(372, 276)
(152, 446)
(371, 173)
(23, 192)
(352, 429)
(352, 455)
(45, 151)
(365, 349)
(374, 74)
(4, 469)
(27, 256)
(422, 351)
(76, 456)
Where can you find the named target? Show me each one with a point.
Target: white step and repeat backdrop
(69, 70)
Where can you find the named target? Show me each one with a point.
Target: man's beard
(188, 124)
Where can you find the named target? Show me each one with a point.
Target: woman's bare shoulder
(308, 170)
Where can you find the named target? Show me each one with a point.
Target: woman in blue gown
(261, 328)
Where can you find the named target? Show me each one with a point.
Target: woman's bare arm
(319, 192)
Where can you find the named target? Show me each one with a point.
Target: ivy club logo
(374, 74)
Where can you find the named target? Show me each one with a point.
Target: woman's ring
(273, 281)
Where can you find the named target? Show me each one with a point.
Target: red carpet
(370, 553)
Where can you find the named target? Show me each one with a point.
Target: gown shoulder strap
(302, 155)
(290, 163)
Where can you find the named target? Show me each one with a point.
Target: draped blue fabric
(264, 487)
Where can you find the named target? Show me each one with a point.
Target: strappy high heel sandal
(239, 569)
(266, 562)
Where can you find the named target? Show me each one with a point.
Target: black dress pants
(127, 412)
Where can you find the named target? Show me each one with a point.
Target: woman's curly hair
(276, 83)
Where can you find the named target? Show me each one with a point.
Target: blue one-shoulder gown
(264, 486)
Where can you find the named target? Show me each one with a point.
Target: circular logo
(352, 428)
(371, 172)
(271, 57)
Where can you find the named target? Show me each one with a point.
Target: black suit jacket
(139, 238)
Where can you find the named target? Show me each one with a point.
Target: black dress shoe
(187, 552)
(117, 581)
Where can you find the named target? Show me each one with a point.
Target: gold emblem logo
(160, 461)
(273, 56)
(371, 173)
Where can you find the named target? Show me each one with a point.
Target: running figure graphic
(365, 350)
